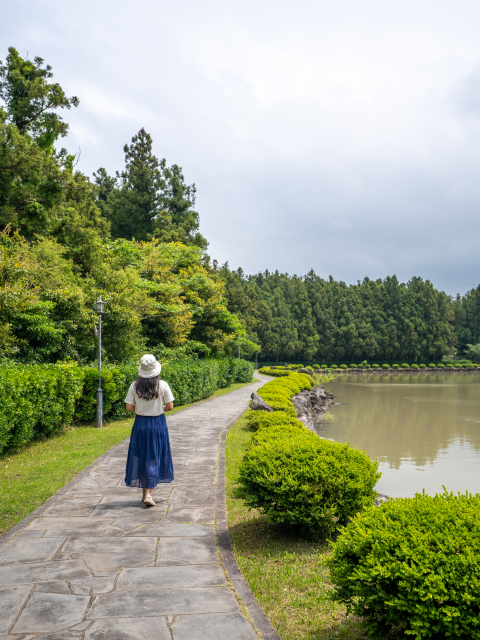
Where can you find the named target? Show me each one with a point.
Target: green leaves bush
(422, 366)
(441, 365)
(385, 366)
(316, 366)
(432, 365)
(295, 477)
(405, 366)
(395, 366)
(375, 366)
(414, 564)
(38, 400)
(414, 366)
(263, 419)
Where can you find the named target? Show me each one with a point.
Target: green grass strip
(285, 571)
(30, 476)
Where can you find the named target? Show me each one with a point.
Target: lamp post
(99, 308)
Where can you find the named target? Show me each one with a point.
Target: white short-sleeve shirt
(150, 407)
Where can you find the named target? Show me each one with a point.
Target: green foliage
(353, 366)
(450, 366)
(413, 564)
(422, 366)
(324, 366)
(268, 371)
(385, 366)
(441, 365)
(414, 366)
(37, 401)
(295, 477)
(395, 366)
(317, 366)
(264, 419)
(309, 369)
(367, 366)
(333, 366)
(432, 365)
(343, 366)
(405, 366)
(375, 366)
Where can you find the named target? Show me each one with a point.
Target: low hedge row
(295, 477)
(38, 400)
(413, 564)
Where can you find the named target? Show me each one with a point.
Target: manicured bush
(441, 365)
(450, 366)
(414, 366)
(367, 366)
(268, 371)
(333, 366)
(405, 366)
(343, 366)
(316, 366)
(265, 419)
(432, 365)
(385, 366)
(353, 366)
(395, 366)
(422, 366)
(37, 401)
(295, 477)
(309, 369)
(413, 564)
(324, 366)
(375, 366)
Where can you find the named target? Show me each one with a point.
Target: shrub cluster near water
(295, 477)
(38, 400)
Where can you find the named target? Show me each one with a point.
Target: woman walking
(149, 460)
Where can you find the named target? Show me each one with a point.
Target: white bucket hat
(149, 366)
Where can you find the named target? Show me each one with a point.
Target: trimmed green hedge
(38, 400)
(295, 477)
(413, 564)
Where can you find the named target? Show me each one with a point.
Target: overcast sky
(340, 136)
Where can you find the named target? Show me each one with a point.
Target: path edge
(261, 622)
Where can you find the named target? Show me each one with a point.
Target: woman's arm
(168, 406)
(129, 407)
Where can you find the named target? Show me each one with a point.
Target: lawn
(30, 476)
(286, 572)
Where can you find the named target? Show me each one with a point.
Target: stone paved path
(99, 565)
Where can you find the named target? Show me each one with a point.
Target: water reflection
(424, 429)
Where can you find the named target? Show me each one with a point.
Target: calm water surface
(423, 429)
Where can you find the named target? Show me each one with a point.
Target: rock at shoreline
(258, 404)
(307, 371)
(309, 404)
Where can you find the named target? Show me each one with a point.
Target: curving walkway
(94, 564)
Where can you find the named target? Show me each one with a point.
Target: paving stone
(72, 506)
(80, 590)
(82, 626)
(29, 550)
(169, 530)
(42, 572)
(191, 514)
(63, 635)
(170, 577)
(49, 612)
(129, 629)
(130, 509)
(163, 602)
(117, 561)
(110, 545)
(189, 496)
(30, 533)
(192, 550)
(11, 602)
(201, 460)
(67, 523)
(231, 626)
(82, 533)
(57, 586)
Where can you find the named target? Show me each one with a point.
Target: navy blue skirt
(149, 460)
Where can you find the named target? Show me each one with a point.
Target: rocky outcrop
(310, 404)
(258, 404)
(307, 371)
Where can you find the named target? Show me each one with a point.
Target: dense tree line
(309, 318)
(134, 238)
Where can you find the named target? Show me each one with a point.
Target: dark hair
(147, 388)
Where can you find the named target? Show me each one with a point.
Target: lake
(424, 429)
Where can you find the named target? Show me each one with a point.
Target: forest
(134, 238)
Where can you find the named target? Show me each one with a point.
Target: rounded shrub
(375, 366)
(295, 477)
(414, 366)
(422, 366)
(367, 366)
(385, 366)
(395, 366)
(432, 366)
(441, 365)
(413, 564)
(343, 366)
(264, 419)
(324, 366)
(450, 366)
(316, 366)
(333, 366)
(353, 366)
(309, 369)
(405, 366)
